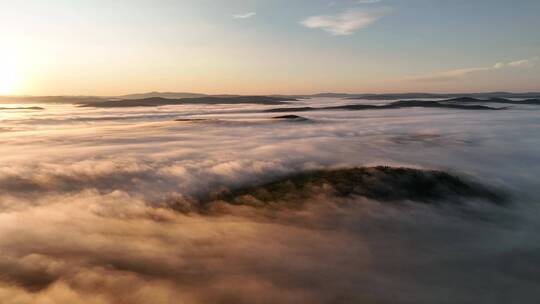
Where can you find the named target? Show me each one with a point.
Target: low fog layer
(101, 206)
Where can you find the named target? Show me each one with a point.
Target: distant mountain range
(185, 95)
(399, 96)
(461, 103)
(159, 101)
(393, 96)
(171, 95)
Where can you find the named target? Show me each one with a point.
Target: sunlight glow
(10, 76)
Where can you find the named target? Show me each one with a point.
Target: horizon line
(270, 94)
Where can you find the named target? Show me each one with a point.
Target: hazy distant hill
(493, 96)
(159, 101)
(399, 96)
(171, 95)
(378, 96)
(50, 99)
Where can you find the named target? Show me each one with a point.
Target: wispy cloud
(333, 3)
(525, 63)
(448, 75)
(367, 1)
(245, 15)
(346, 23)
(463, 73)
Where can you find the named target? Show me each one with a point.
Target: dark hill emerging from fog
(159, 101)
(394, 105)
(291, 118)
(381, 183)
(493, 100)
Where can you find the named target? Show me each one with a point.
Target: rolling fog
(86, 212)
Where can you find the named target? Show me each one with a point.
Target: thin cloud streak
(346, 23)
(245, 16)
(459, 74)
(368, 1)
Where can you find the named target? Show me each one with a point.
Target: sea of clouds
(102, 206)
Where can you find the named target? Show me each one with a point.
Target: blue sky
(257, 46)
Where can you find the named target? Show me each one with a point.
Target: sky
(61, 47)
